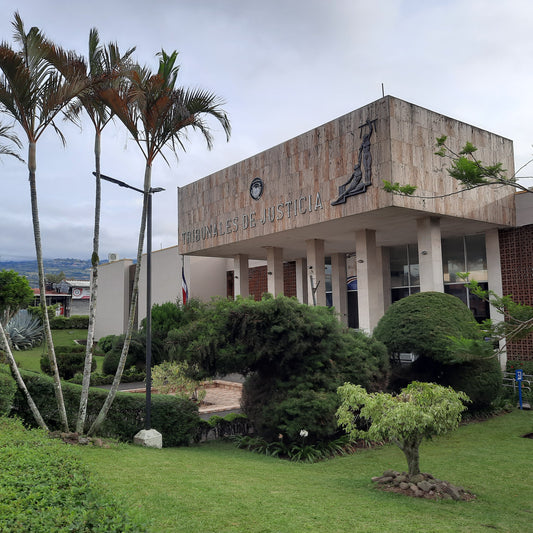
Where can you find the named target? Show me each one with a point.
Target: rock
(404, 485)
(453, 492)
(424, 485)
(416, 478)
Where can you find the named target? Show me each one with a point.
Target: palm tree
(5, 132)
(33, 93)
(104, 67)
(157, 115)
(5, 149)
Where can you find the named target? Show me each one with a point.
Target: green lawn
(30, 359)
(217, 487)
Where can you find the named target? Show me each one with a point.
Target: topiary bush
(295, 357)
(70, 361)
(425, 323)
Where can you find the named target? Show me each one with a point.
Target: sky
(282, 67)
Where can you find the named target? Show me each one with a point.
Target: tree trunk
(410, 450)
(89, 351)
(133, 306)
(42, 286)
(22, 386)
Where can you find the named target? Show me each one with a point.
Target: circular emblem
(256, 188)
(76, 292)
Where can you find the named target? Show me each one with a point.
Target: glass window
(328, 274)
(457, 289)
(414, 273)
(479, 308)
(453, 258)
(399, 266)
(476, 257)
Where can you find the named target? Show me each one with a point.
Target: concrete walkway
(223, 396)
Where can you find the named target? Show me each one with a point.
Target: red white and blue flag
(184, 289)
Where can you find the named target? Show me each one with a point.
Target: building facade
(310, 218)
(317, 203)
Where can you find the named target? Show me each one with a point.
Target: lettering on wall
(302, 206)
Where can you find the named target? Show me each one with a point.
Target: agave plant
(24, 330)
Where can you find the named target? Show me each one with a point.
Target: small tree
(420, 411)
(15, 294)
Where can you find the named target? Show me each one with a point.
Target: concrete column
(430, 254)
(369, 280)
(316, 272)
(275, 270)
(494, 271)
(240, 275)
(338, 286)
(301, 280)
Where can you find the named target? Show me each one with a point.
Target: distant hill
(78, 269)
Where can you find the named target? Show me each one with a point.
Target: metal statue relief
(361, 176)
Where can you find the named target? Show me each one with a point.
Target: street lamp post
(148, 196)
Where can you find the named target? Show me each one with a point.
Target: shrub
(176, 419)
(296, 357)
(425, 324)
(526, 366)
(105, 344)
(8, 388)
(56, 491)
(480, 379)
(69, 362)
(174, 377)
(73, 322)
(136, 353)
(112, 356)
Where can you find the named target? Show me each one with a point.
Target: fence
(510, 381)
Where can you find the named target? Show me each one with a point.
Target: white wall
(112, 304)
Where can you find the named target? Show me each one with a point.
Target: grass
(30, 359)
(217, 487)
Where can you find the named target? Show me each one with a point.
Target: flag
(184, 289)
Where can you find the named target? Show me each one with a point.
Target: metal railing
(510, 381)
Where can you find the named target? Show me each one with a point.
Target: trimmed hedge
(176, 419)
(73, 322)
(46, 487)
(70, 361)
(8, 388)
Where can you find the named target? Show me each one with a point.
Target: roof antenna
(383, 90)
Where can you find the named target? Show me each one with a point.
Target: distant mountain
(78, 269)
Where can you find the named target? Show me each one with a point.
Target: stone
(404, 485)
(424, 485)
(151, 438)
(454, 492)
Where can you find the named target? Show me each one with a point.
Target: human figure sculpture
(359, 180)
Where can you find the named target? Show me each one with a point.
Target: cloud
(282, 67)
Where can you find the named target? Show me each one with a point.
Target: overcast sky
(282, 67)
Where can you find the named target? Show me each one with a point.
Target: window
(405, 275)
(466, 254)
